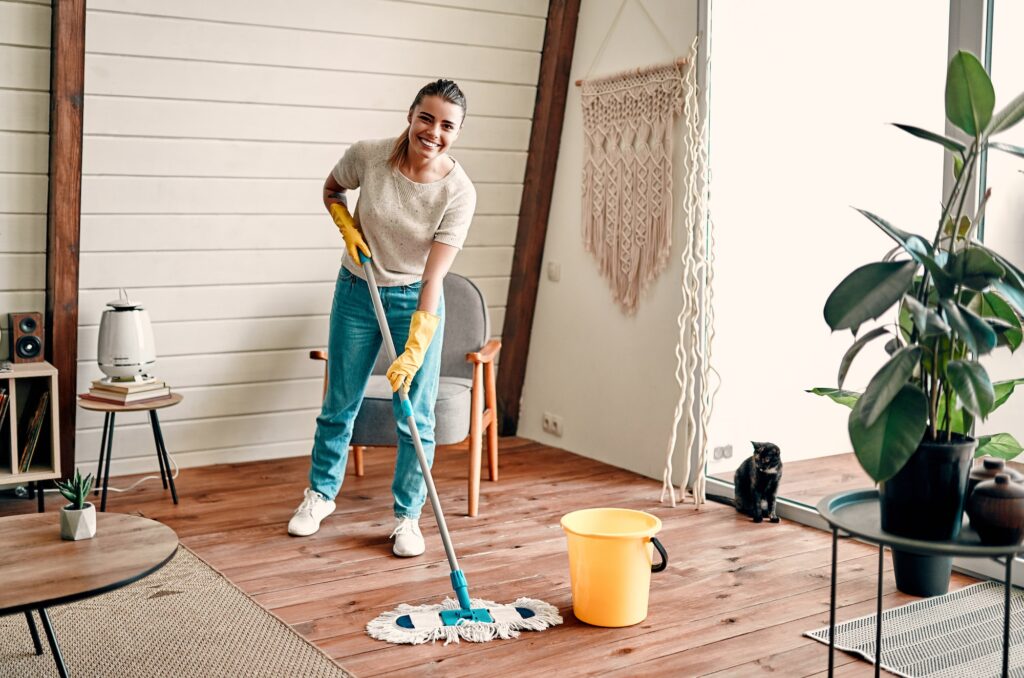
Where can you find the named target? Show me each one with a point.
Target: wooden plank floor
(734, 601)
(809, 480)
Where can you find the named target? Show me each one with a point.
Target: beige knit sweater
(401, 218)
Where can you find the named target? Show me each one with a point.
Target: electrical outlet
(552, 423)
(722, 452)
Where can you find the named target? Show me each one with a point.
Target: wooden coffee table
(39, 570)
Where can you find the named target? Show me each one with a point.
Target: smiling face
(434, 125)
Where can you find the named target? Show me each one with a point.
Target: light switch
(554, 271)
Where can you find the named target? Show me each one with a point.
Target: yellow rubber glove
(421, 333)
(350, 232)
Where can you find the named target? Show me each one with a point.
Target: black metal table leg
(110, 453)
(832, 605)
(159, 454)
(98, 478)
(33, 631)
(878, 614)
(40, 497)
(162, 449)
(54, 648)
(1006, 615)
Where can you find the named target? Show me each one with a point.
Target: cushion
(375, 424)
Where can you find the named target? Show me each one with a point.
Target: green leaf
(851, 353)
(1007, 117)
(975, 268)
(1002, 445)
(884, 447)
(944, 284)
(951, 144)
(970, 98)
(893, 345)
(973, 330)
(927, 321)
(958, 166)
(911, 242)
(867, 293)
(1007, 148)
(1000, 317)
(1003, 391)
(971, 383)
(847, 398)
(887, 382)
(1011, 294)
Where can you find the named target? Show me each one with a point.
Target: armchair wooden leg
(475, 441)
(492, 425)
(358, 459)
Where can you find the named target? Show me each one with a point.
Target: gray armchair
(466, 402)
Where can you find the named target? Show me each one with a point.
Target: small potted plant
(955, 300)
(77, 519)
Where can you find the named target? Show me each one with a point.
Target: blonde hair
(447, 90)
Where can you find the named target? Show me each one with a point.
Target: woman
(414, 211)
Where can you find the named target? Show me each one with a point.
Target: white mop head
(428, 627)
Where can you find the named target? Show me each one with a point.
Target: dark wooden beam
(64, 202)
(545, 138)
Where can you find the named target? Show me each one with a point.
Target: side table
(110, 411)
(857, 513)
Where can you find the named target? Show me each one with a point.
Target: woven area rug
(957, 634)
(185, 619)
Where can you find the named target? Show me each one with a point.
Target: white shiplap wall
(209, 129)
(24, 138)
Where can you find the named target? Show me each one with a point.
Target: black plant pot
(925, 500)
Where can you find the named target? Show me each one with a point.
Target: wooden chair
(466, 401)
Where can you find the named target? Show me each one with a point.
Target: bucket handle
(664, 556)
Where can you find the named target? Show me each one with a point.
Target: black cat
(757, 482)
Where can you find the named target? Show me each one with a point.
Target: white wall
(209, 129)
(24, 141)
(609, 376)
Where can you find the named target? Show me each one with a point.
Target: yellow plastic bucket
(610, 563)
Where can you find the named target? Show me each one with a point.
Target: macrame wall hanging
(627, 174)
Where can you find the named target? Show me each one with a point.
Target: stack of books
(5, 403)
(127, 392)
(32, 427)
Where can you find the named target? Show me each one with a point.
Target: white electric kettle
(126, 349)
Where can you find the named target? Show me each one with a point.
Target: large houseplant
(955, 300)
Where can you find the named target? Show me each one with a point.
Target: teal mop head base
(451, 623)
(460, 616)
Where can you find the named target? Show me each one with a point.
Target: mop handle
(389, 346)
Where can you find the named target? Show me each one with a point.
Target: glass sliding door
(801, 96)
(1004, 214)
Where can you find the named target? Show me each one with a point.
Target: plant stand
(857, 514)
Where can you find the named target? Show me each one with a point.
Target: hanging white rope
(696, 316)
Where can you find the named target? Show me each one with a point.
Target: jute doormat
(956, 634)
(185, 620)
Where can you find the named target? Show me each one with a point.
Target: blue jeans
(352, 349)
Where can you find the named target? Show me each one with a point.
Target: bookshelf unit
(25, 384)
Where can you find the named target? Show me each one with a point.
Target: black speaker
(25, 334)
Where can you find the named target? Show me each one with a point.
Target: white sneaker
(408, 539)
(311, 511)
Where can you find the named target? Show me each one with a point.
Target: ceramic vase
(996, 510)
(78, 524)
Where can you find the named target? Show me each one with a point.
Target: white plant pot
(75, 525)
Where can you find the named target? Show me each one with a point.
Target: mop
(475, 619)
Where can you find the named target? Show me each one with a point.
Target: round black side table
(857, 514)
